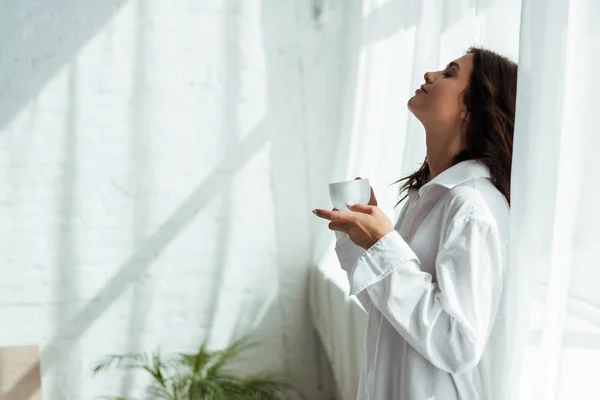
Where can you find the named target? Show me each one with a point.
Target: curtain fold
(555, 201)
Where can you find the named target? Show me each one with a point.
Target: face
(439, 106)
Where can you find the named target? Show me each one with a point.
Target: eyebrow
(453, 64)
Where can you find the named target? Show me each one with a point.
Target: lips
(423, 88)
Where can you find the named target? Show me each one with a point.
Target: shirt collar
(459, 173)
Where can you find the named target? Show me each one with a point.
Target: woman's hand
(364, 224)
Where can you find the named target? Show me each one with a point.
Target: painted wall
(154, 184)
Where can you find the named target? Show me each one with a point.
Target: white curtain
(554, 196)
(555, 200)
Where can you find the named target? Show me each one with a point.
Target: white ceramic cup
(356, 191)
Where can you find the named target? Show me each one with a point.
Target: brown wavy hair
(490, 98)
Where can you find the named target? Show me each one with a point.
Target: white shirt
(432, 288)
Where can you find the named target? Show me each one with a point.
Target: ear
(465, 115)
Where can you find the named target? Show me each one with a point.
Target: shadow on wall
(133, 268)
(22, 80)
(38, 38)
(229, 136)
(65, 262)
(144, 288)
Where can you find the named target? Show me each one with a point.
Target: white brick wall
(153, 179)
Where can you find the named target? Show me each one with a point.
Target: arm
(348, 254)
(448, 323)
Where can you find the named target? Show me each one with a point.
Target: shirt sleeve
(348, 254)
(448, 323)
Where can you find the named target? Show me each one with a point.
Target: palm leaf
(160, 392)
(222, 357)
(116, 361)
(266, 387)
(112, 398)
(156, 369)
(202, 388)
(201, 376)
(179, 387)
(234, 387)
(256, 387)
(197, 362)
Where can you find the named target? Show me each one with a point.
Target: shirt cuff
(347, 251)
(389, 252)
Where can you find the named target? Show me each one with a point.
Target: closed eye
(447, 74)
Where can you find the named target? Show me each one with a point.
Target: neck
(440, 154)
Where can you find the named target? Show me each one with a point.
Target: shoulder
(478, 200)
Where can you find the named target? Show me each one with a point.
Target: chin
(411, 107)
(409, 104)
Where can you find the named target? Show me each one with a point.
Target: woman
(433, 283)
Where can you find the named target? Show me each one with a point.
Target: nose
(427, 77)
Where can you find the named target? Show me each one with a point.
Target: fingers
(338, 226)
(338, 216)
(361, 208)
(325, 214)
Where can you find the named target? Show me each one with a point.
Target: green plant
(200, 376)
